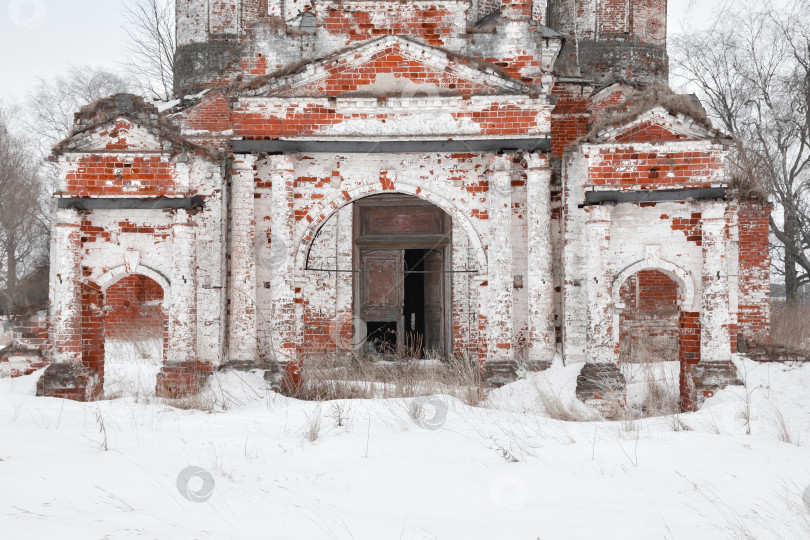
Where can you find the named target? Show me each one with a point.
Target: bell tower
(612, 40)
(210, 39)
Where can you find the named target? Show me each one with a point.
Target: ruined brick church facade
(487, 178)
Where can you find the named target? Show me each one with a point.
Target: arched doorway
(649, 319)
(401, 262)
(135, 335)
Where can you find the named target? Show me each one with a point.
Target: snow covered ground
(272, 467)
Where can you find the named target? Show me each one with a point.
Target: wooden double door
(401, 286)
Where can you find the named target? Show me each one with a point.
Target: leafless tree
(751, 68)
(152, 42)
(53, 102)
(23, 229)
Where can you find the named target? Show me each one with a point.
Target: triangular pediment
(657, 125)
(121, 134)
(391, 67)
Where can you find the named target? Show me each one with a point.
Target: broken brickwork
(322, 156)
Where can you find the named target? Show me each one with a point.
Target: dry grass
(388, 376)
(781, 428)
(558, 409)
(662, 398)
(644, 351)
(790, 325)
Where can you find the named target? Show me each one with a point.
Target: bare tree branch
(752, 70)
(150, 30)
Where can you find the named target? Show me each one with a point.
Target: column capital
(600, 214)
(714, 211)
(537, 161)
(243, 162)
(181, 216)
(68, 217)
(501, 162)
(281, 162)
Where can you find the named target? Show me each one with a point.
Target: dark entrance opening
(401, 252)
(382, 337)
(414, 309)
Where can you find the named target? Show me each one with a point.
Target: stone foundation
(28, 350)
(500, 372)
(600, 384)
(181, 379)
(701, 381)
(70, 381)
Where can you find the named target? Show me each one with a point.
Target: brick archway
(125, 306)
(320, 214)
(688, 312)
(649, 318)
(652, 261)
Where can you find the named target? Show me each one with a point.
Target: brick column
(242, 342)
(67, 377)
(182, 373)
(500, 367)
(285, 337)
(714, 316)
(540, 284)
(715, 369)
(600, 378)
(66, 296)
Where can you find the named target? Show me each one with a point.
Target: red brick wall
(753, 316)
(614, 17)
(628, 167)
(433, 25)
(648, 325)
(689, 355)
(497, 119)
(93, 333)
(102, 175)
(345, 78)
(133, 308)
(570, 116)
(649, 20)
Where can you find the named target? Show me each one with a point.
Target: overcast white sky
(39, 38)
